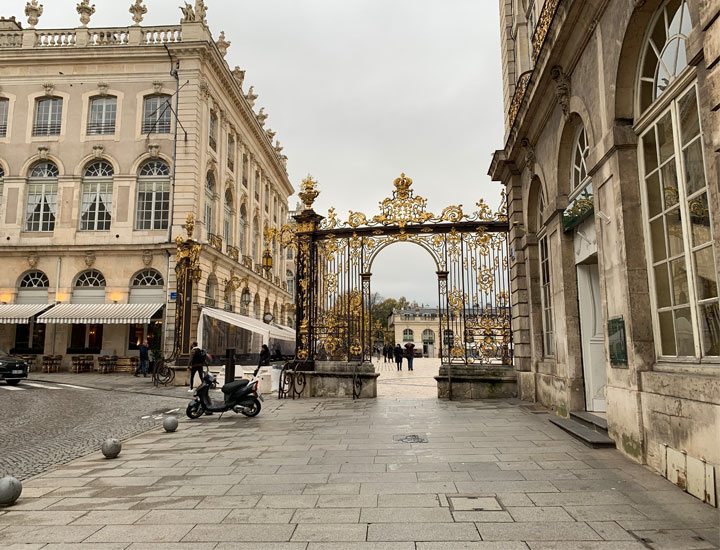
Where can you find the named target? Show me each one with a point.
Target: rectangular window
(213, 130)
(96, 206)
(4, 111)
(245, 171)
(208, 213)
(257, 186)
(48, 117)
(85, 338)
(681, 253)
(226, 228)
(231, 153)
(103, 111)
(546, 300)
(153, 205)
(41, 204)
(135, 338)
(289, 254)
(157, 115)
(30, 338)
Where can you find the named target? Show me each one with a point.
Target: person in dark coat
(398, 356)
(197, 362)
(410, 354)
(144, 358)
(264, 356)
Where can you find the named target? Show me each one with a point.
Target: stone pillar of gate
(320, 378)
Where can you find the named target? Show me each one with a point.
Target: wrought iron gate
(334, 262)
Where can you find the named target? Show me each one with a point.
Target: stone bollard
(170, 423)
(10, 489)
(111, 447)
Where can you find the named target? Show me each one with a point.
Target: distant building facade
(417, 326)
(94, 188)
(611, 165)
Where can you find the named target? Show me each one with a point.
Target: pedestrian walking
(264, 356)
(197, 362)
(398, 351)
(377, 353)
(386, 353)
(144, 357)
(410, 354)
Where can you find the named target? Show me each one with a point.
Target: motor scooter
(240, 396)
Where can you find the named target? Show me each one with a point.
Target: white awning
(107, 314)
(280, 332)
(20, 313)
(242, 321)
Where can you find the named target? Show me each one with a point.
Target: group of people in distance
(397, 353)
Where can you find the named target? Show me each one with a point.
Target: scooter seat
(236, 385)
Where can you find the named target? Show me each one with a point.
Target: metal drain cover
(473, 504)
(411, 438)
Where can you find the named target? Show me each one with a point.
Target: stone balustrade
(82, 37)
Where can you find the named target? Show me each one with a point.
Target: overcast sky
(359, 91)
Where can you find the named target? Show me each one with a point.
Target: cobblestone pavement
(385, 474)
(420, 382)
(46, 424)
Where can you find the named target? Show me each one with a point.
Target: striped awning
(20, 313)
(106, 314)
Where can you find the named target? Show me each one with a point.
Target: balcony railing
(49, 129)
(100, 128)
(215, 241)
(69, 38)
(233, 252)
(247, 262)
(550, 8)
(3, 130)
(518, 96)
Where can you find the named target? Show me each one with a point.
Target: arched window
(148, 277)
(209, 202)
(242, 227)
(227, 217)
(90, 278)
(677, 205)
(97, 197)
(290, 279)
(428, 336)
(157, 115)
(89, 288)
(408, 335)
(664, 55)
(34, 279)
(146, 287)
(579, 174)
(103, 111)
(153, 202)
(41, 197)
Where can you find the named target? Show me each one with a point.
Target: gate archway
(333, 267)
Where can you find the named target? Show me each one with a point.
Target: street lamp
(267, 261)
(245, 299)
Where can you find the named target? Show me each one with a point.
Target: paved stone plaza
(344, 475)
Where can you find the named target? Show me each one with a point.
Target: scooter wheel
(194, 410)
(253, 408)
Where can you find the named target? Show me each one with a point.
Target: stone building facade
(611, 165)
(417, 326)
(96, 179)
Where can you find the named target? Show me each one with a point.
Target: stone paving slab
(332, 475)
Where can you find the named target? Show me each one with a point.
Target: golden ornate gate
(334, 261)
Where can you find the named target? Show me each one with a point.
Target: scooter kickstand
(219, 417)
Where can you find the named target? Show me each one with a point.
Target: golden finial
(402, 184)
(190, 225)
(308, 192)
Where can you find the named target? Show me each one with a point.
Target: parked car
(12, 368)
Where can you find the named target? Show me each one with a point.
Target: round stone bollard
(111, 447)
(170, 423)
(10, 489)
